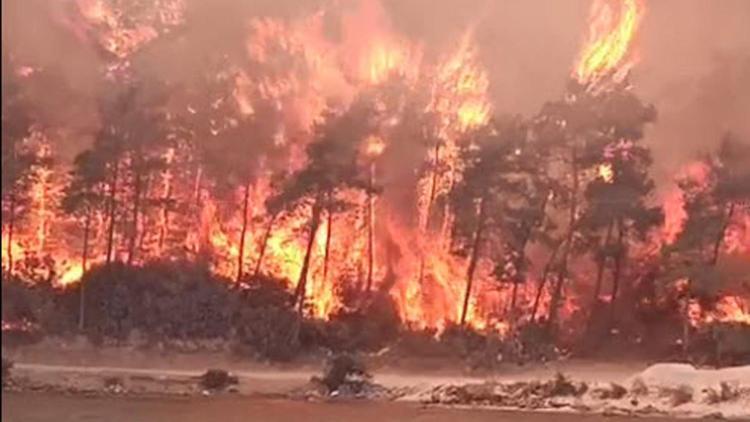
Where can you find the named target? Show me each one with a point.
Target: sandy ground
(26, 407)
(179, 379)
(71, 384)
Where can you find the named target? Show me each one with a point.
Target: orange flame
(613, 25)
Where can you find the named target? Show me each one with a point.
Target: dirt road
(26, 407)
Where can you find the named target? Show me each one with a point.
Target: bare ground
(27, 407)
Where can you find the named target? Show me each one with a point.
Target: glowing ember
(606, 172)
(374, 146)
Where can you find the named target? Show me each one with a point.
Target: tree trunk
(601, 263)
(514, 299)
(686, 322)
(329, 230)
(84, 266)
(197, 187)
(137, 188)
(722, 233)
(616, 273)
(11, 229)
(111, 212)
(428, 211)
(266, 236)
(370, 242)
(165, 215)
(299, 293)
(563, 273)
(473, 260)
(243, 233)
(520, 262)
(543, 281)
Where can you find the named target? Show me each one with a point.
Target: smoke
(695, 68)
(694, 56)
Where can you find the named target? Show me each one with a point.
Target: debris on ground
(344, 376)
(345, 370)
(114, 384)
(560, 391)
(611, 391)
(217, 380)
(678, 395)
(661, 390)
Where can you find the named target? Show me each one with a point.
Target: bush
(265, 320)
(29, 309)
(217, 379)
(721, 344)
(341, 369)
(7, 366)
(364, 329)
(163, 300)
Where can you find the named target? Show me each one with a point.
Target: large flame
(613, 25)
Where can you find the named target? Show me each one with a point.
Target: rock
(217, 380)
(638, 387)
(114, 384)
(677, 396)
(611, 392)
(343, 368)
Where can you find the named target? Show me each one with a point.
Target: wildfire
(613, 25)
(299, 71)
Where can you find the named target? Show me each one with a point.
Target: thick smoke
(694, 57)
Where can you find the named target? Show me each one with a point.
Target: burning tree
(332, 167)
(501, 200)
(618, 199)
(17, 160)
(715, 203)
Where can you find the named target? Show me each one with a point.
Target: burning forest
(324, 165)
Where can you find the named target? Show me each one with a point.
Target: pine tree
(332, 165)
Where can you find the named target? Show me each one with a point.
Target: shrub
(343, 368)
(7, 366)
(163, 300)
(217, 379)
(370, 328)
(265, 320)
